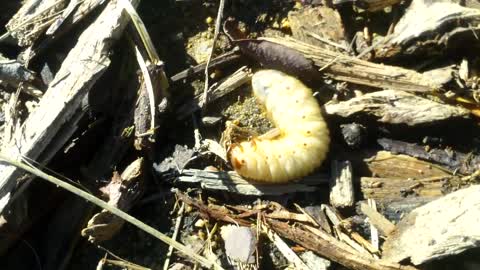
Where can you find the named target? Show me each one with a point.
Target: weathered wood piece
(305, 27)
(396, 107)
(378, 220)
(341, 184)
(85, 63)
(388, 165)
(331, 248)
(385, 189)
(232, 182)
(444, 227)
(453, 160)
(33, 19)
(439, 22)
(350, 69)
(47, 16)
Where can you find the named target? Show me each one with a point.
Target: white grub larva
(304, 139)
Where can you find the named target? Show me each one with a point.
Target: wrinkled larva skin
(304, 139)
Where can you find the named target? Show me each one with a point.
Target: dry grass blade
(139, 224)
(142, 32)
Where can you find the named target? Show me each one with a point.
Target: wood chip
(305, 27)
(232, 182)
(341, 184)
(378, 220)
(396, 107)
(444, 227)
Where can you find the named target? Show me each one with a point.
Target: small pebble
(209, 20)
(353, 134)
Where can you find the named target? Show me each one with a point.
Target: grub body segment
(304, 138)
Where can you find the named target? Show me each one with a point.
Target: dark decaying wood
(451, 159)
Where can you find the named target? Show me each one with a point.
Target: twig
(215, 37)
(219, 61)
(139, 224)
(174, 236)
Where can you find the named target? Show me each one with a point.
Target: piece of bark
(444, 227)
(232, 182)
(122, 192)
(341, 184)
(346, 68)
(144, 131)
(451, 159)
(385, 189)
(84, 64)
(377, 220)
(396, 107)
(439, 22)
(388, 165)
(320, 26)
(330, 249)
